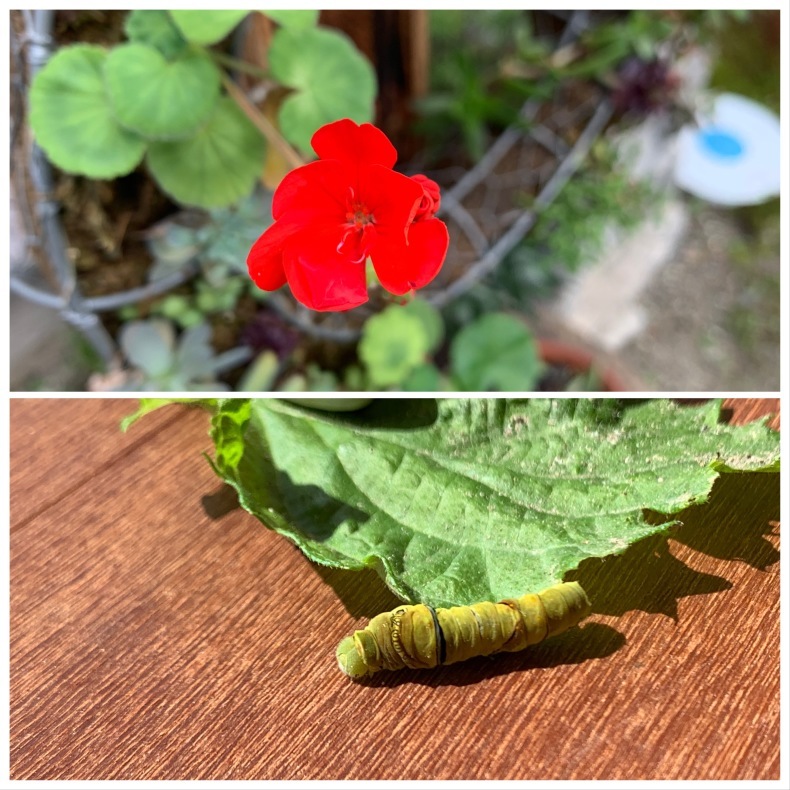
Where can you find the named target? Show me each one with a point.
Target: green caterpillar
(420, 637)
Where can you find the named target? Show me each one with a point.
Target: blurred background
(610, 181)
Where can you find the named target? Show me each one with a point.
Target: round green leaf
(72, 118)
(431, 320)
(206, 27)
(160, 99)
(393, 344)
(216, 167)
(295, 18)
(424, 378)
(331, 78)
(496, 352)
(157, 29)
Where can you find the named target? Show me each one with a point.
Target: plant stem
(236, 64)
(262, 123)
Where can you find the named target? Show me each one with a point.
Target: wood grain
(157, 633)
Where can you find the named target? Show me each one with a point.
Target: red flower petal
(265, 259)
(321, 278)
(352, 144)
(403, 267)
(319, 188)
(391, 198)
(431, 197)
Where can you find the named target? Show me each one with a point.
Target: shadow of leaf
(732, 525)
(645, 576)
(223, 501)
(388, 413)
(313, 512)
(362, 593)
(735, 521)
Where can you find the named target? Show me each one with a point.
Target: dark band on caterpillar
(421, 637)
(440, 640)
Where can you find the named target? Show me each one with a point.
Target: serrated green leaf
(332, 80)
(157, 29)
(294, 18)
(496, 352)
(160, 99)
(206, 27)
(72, 117)
(216, 167)
(393, 343)
(456, 501)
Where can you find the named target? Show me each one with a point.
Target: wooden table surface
(159, 633)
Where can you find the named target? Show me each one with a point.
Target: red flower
(431, 199)
(333, 214)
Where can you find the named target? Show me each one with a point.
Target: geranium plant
(165, 96)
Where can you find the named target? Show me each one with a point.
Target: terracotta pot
(579, 360)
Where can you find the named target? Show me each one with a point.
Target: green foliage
(570, 233)
(97, 112)
(469, 95)
(294, 18)
(393, 344)
(431, 320)
(157, 98)
(220, 243)
(639, 33)
(466, 103)
(157, 29)
(571, 230)
(72, 120)
(206, 27)
(745, 64)
(206, 300)
(331, 80)
(165, 364)
(455, 501)
(496, 352)
(312, 379)
(261, 374)
(218, 166)
(424, 378)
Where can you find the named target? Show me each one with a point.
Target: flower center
(359, 232)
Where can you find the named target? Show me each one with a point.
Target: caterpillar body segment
(420, 637)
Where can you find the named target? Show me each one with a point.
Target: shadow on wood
(732, 526)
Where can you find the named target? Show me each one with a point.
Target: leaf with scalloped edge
(394, 342)
(72, 117)
(206, 27)
(217, 166)
(160, 99)
(157, 29)
(330, 77)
